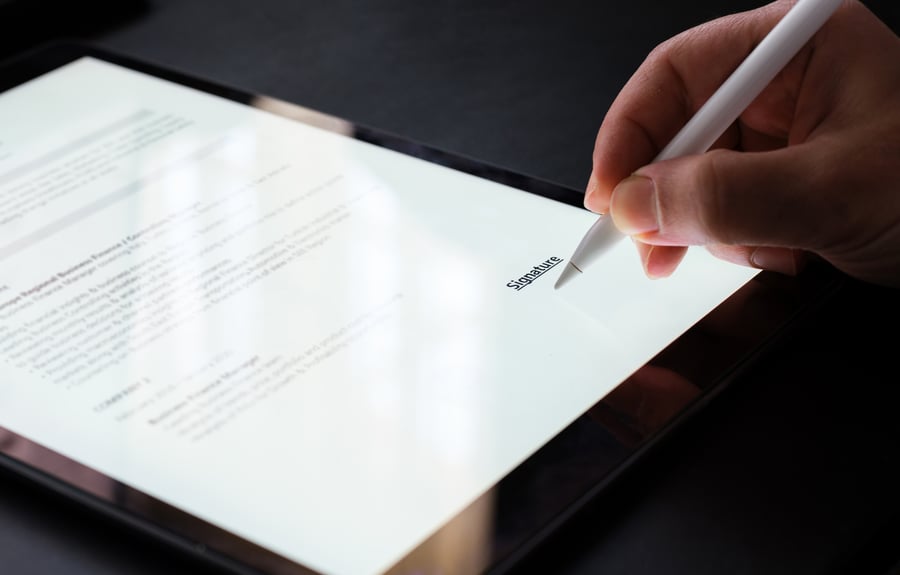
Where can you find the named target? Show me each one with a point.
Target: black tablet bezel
(727, 339)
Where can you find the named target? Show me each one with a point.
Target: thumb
(730, 198)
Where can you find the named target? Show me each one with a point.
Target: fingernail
(591, 201)
(775, 259)
(645, 262)
(633, 205)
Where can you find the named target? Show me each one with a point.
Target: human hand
(812, 166)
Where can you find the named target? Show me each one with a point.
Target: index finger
(675, 79)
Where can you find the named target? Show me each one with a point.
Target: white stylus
(724, 106)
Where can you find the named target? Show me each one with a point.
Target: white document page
(323, 346)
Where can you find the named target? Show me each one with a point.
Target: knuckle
(712, 203)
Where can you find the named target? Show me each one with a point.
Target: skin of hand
(810, 169)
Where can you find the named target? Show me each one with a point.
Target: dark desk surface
(806, 483)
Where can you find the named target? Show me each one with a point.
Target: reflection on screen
(315, 343)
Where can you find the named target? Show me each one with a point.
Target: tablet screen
(322, 346)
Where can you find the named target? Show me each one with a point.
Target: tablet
(293, 344)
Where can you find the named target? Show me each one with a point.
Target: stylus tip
(567, 274)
